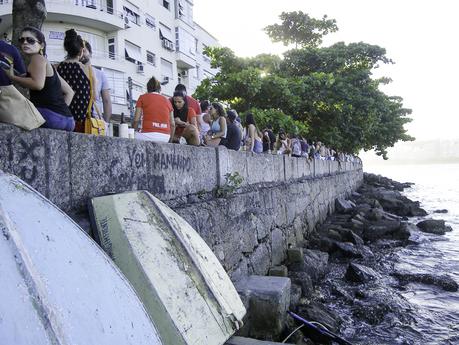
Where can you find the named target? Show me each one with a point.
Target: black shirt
(51, 96)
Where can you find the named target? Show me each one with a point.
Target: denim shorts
(56, 121)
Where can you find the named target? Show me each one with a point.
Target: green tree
(327, 92)
(300, 29)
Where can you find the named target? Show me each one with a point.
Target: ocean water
(436, 311)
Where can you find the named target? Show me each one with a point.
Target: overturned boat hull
(182, 284)
(58, 286)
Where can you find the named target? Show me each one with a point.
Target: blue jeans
(57, 121)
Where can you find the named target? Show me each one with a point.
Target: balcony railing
(57, 54)
(99, 5)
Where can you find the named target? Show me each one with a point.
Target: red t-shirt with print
(156, 113)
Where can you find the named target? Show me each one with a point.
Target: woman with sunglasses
(50, 94)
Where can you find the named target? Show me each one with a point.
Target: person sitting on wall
(192, 103)
(204, 120)
(283, 145)
(269, 139)
(233, 134)
(50, 94)
(253, 141)
(185, 120)
(158, 122)
(78, 77)
(218, 127)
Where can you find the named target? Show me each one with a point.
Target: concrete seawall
(279, 202)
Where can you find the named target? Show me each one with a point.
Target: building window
(131, 15)
(116, 83)
(166, 4)
(150, 22)
(111, 49)
(165, 35)
(132, 52)
(196, 44)
(180, 10)
(151, 58)
(167, 70)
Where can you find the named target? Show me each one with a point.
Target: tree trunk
(27, 13)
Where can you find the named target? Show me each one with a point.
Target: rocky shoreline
(341, 277)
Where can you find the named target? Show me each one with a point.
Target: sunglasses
(29, 40)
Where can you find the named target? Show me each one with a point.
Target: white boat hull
(182, 284)
(58, 287)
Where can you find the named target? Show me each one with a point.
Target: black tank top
(51, 96)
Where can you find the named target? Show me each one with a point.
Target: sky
(421, 37)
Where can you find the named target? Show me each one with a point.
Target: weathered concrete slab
(268, 299)
(249, 341)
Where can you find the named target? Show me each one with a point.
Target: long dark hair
(38, 35)
(219, 108)
(180, 113)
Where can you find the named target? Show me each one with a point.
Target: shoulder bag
(17, 110)
(91, 124)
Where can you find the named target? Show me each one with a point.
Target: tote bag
(17, 110)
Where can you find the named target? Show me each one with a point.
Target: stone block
(229, 162)
(101, 165)
(290, 168)
(269, 299)
(295, 255)
(250, 341)
(260, 260)
(260, 168)
(278, 246)
(278, 271)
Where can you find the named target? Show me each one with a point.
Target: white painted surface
(182, 284)
(58, 287)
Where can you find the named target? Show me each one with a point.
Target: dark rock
(344, 206)
(319, 313)
(381, 229)
(354, 238)
(360, 274)
(375, 214)
(315, 264)
(441, 211)
(443, 281)
(340, 292)
(304, 281)
(433, 226)
(333, 234)
(346, 250)
(295, 295)
(374, 314)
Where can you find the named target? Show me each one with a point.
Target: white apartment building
(136, 39)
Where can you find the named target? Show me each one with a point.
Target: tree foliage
(300, 29)
(327, 92)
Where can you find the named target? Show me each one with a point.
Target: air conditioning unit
(165, 81)
(126, 22)
(140, 67)
(168, 44)
(184, 73)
